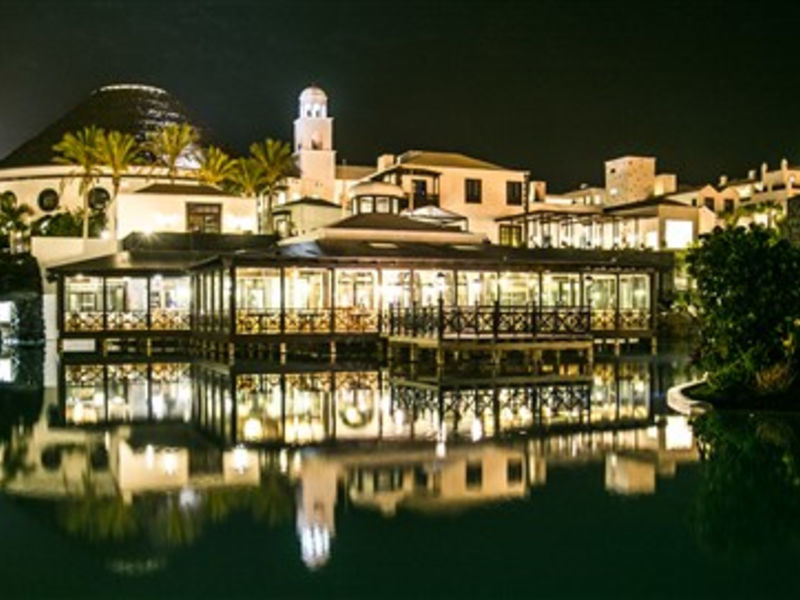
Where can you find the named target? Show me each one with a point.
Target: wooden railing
(492, 321)
(302, 321)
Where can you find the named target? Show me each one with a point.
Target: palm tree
(216, 167)
(277, 164)
(247, 177)
(172, 143)
(118, 152)
(79, 149)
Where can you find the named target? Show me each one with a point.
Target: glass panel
(126, 303)
(634, 292)
(356, 288)
(258, 289)
(170, 299)
(307, 289)
(396, 287)
(430, 284)
(602, 293)
(83, 303)
(561, 289)
(519, 288)
(477, 287)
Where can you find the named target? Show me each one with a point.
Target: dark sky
(553, 87)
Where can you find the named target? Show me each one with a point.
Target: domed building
(130, 108)
(148, 199)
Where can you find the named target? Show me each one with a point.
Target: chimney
(385, 161)
(723, 180)
(751, 174)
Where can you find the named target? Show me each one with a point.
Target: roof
(353, 171)
(444, 159)
(432, 212)
(455, 254)
(307, 201)
(384, 221)
(200, 242)
(129, 108)
(182, 189)
(135, 262)
(646, 203)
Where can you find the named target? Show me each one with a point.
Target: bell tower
(313, 145)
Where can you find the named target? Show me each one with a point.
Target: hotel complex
(432, 256)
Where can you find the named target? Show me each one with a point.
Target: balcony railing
(93, 321)
(311, 321)
(488, 321)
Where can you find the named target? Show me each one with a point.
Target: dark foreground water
(623, 508)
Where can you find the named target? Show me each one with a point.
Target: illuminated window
(511, 235)
(203, 217)
(678, 234)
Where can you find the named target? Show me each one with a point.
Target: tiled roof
(444, 159)
(182, 189)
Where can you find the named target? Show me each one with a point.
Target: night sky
(552, 87)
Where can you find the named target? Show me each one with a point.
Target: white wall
(146, 212)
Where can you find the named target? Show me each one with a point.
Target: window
(472, 191)
(98, 198)
(514, 193)
(514, 471)
(728, 205)
(203, 218)
(48, 200)
(511, 235)
(709, 203)
(678, 234)
(474, 475)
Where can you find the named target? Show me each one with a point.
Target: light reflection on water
(140, 495)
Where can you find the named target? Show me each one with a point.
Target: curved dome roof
(313, 93)
(130, 108)
(376, 188)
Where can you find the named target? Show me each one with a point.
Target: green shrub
(748, 300)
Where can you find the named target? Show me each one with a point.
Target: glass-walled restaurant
(350, 300)
(232, 298)
(136, 303)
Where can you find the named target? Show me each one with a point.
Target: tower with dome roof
(313, 146)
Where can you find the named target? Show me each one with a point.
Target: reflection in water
(144, 459)
(749, 496)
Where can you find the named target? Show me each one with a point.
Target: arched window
(48, 200)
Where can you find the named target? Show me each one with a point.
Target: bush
(748, 301)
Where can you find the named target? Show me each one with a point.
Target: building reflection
(194, 439)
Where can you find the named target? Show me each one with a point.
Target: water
(603, 496)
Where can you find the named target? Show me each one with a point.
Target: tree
(171, 144)
(277, 164)
(748, 301)
(79, 149)
(216, 167)
(247, 177)
(13, 217)
(118, 152)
